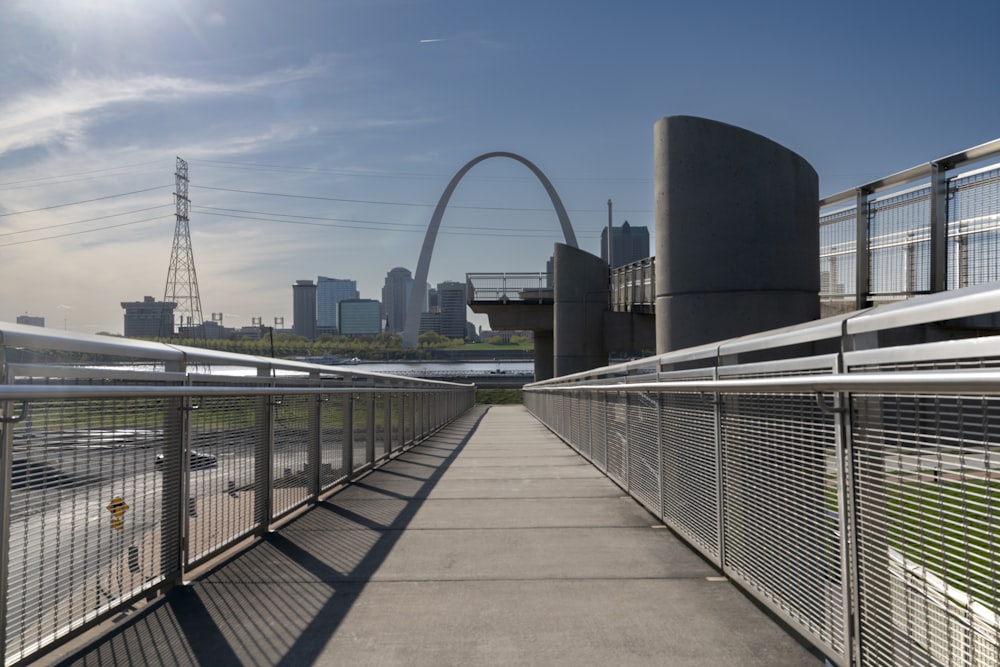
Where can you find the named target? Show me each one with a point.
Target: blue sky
(369, 107)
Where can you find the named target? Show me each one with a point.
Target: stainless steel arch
(423, 265)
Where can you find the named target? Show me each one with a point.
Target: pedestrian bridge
(820, 492)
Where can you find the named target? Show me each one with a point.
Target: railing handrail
(976, 381)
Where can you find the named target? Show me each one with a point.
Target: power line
(86, 231)
(228, 164)
(393, 203)
(205, 210)
(403, 226)
(80, 173)
(80, 222)
(84, 201)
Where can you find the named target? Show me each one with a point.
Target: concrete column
(544, 363)
(580, 295)
(737, 233)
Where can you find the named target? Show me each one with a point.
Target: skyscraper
(359, 317)
(149, 318)
(304, 309)
(628, 244)
(451, 301)
(395, 296)
(329, 293)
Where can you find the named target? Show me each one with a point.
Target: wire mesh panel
(780, 505)
(331, 440)
(837, 256)
(585, 408)
(644, 449)
(598, 430)
(360, 455)
(691, 470)
(574, 421)
(974, 229)
(293, 439)
(396, 421)
(617, 437)
(408, 408)
(381, 440)
(899, 244)
(87, 524)
(927, 533)
(228, 439)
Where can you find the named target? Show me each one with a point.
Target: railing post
(315, 443)
(347, 455)
(6, 474)
(263, 465)
(370, 429)
(939, 227)
(720, 473)
(846, 481)
(173, 504)
(387, 424)
(862, 261)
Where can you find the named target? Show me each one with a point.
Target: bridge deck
(490, 543)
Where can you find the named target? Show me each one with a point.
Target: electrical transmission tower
(182, 281)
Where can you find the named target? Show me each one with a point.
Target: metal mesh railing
(119, 477)
(853, 494)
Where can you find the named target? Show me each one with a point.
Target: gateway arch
(423, 265)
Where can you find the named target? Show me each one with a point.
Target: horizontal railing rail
(127, 464)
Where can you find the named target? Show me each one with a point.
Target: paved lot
(490, 544)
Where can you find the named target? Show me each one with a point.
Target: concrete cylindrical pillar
(580, 293)
(737, 233)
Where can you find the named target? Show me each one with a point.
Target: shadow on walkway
(280, 601)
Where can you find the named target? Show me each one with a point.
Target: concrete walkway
(492, 543)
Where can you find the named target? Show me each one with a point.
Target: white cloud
(62, 115)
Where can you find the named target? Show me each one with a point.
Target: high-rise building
(359, 317)
(149, 318)
(395, 297)
(628, 244)
(329, 293)
(304, 309)
(31, 320)
(452, 304)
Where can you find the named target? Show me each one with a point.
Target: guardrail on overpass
(125, 464)
(851, 488)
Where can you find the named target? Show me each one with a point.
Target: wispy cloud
(61, 115)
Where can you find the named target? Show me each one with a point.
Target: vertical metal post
(659, 450)
(6, 473)
(862, 258)
(939, 227)
(263, 466)
(387, 424)
(370, 428)
(314, 462)
(628, 446)
(848, 535)
(173, 504)
(720, 474)
(347, 454)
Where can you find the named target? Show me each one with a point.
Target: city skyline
(320, 135)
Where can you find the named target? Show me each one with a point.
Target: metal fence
(508, 287)
(852, 488)
(927, 229)
(633, 286)
(126, 464)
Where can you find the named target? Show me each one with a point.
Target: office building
(359, 317)
(149, 318)
(451, 302)
(329, 293)
(628, 244)
(304, 309)
(395, 297)
(31, 320)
